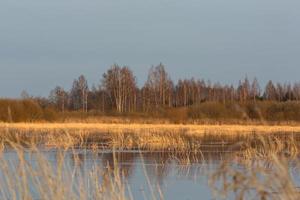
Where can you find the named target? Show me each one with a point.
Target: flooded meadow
(241, 167)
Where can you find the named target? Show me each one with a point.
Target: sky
(44, 43)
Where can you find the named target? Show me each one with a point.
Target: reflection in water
(140, 174)
(145, 174)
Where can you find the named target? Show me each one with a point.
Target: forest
(192, 99)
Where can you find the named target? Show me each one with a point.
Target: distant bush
(280, 111)
(252, 111)
(24, 111)
(215, 111)
(31, 110)
(258, 111)
(176, 115)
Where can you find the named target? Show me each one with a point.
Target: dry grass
(260, 171)
(257, 168)
(260, 180)
(264, 147)
(192, 129)
(133, 136)
(30, 175)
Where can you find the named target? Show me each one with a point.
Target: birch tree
(160, 86)
(120, 84)
(79, 94)
(59, 97)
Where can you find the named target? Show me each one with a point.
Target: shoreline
(170, 137)
(136, 127)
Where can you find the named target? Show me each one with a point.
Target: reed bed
(260, 180)
(134, 136)
(262, 174)
(140, 128)
(261, 170)
(257, 167)
(28, 174)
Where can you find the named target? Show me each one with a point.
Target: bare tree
(255, 89)
(58, 96)
(118, 90)
(296, 91)
(160, 87)
(270, 91)
(120, 84)
(84, 89)
(79, 94)
(25, 95)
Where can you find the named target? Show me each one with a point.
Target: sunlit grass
(133, 136)
(261, 170)
(256, 167)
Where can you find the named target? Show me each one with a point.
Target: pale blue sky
(44, 43)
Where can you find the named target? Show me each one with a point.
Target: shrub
(23, 111)
(215, 110)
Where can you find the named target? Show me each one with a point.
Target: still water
(146, 175)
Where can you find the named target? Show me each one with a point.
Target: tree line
(186, 100)
(118, 91)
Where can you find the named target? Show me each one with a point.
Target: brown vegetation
(31, 110)
(38, 178)
(135, 136)
(28, 110)
(187, 101)
(261, 172)
(257, 168)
